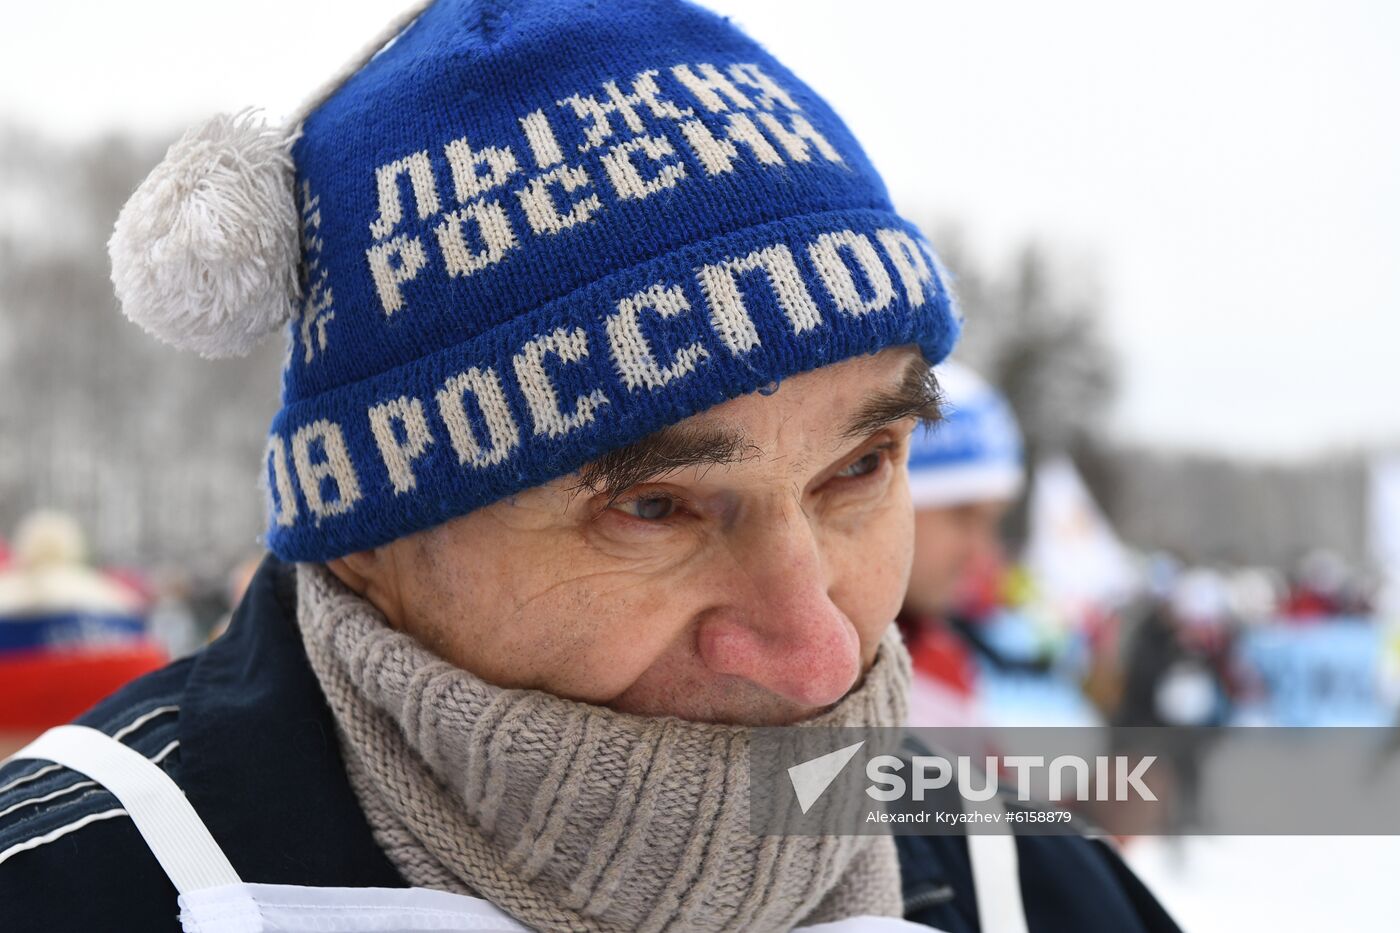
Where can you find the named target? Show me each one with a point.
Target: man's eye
(865, 465)
(649, 508)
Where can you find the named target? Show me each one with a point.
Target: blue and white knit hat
(973, 454)
(514, 236)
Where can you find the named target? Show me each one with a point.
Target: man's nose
(780, 628)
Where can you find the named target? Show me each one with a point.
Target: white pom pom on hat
(205, 253)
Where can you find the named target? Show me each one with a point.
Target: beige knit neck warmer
(570, 816)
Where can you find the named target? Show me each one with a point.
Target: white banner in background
(1073, 554)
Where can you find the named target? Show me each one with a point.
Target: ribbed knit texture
(534, 231)
(571, 816)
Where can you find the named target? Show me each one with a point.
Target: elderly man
(597, 405)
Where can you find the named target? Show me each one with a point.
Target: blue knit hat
(972, 454)
(532, 232)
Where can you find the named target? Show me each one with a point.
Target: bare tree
(156, 452)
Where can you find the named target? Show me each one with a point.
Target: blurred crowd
(1075, 627)
(71, 633)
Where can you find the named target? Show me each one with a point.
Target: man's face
(750, 584)
(946, 541)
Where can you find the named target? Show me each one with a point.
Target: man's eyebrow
(916, 396)
(671, 448)
(676, 447)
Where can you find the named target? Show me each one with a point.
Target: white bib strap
(176, 835)
(996, 876)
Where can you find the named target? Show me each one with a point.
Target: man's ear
(371, 575)
(358, 571)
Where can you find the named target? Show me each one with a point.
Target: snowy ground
(1277, 884)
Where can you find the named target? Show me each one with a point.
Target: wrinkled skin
(752, 593)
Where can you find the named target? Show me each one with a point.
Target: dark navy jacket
(243, 728)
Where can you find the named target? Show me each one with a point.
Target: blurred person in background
(1323, 588)
(1176, 673)
(965, 473)
(592, 458)
(236, 585)
(69, 634)
(172, 621)
(1177, 655)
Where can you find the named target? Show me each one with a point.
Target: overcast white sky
(1230, 169)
